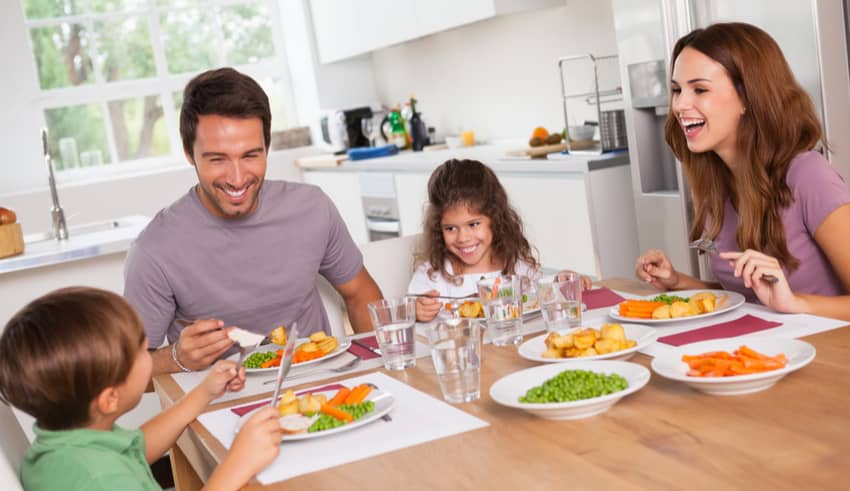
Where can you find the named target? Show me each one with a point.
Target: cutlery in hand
(707, 245)
(286, 362)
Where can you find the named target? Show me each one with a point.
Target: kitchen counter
(86, 241)
(494, 155)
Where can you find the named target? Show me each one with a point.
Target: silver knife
(286, 362)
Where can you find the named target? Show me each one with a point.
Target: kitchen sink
(83, 229)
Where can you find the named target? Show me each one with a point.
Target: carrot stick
(359, 394)
(339, 397)
(354, 395)
(337, 413)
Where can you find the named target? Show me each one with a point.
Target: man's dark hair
(225, 92)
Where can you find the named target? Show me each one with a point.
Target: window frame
(162, 84)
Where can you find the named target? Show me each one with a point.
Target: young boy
(77, 359)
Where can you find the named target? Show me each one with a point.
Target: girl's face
(706, 104)
(467, 235)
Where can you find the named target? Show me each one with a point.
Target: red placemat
(599, 298)
(738, 327)
(364, 353)
(242, 410)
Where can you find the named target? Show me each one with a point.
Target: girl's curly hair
(471, 183)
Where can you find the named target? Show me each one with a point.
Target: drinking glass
(502, 300)
(367, 126)
(393, 320)
(456, 352)
(560, 300)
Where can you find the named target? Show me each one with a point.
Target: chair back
(13, 445)
(390, 262)
(334, 306)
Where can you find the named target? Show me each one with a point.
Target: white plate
(384, 402)
(342, 348)
(733, 301)
(533, 348)
(507, 390)
(670, 364)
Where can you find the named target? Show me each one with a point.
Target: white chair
(13, 445)
(390, 262)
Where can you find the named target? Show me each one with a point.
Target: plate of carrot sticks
(678, 306)
(734, 366)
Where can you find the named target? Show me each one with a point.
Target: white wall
(498, 77)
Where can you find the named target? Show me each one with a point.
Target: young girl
(470, 232)
(77, 359)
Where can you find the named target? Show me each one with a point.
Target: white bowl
(644, 335)
(670, 364)
(507, 390)
(581, 132)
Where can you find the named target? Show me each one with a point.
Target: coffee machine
(343, 129)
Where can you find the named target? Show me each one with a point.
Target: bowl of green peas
(580, 390)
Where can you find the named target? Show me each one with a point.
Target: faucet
(60, 229)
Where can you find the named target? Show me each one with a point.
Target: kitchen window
(111, 73)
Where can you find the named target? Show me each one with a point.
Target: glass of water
(456, 351)
(560, 300)
(502, 300)
(393, 320)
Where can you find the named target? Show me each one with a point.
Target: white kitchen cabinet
(344, 28)
(412, 195)
(343, 188)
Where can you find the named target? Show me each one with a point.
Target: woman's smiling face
(706, 104)
(467, 236)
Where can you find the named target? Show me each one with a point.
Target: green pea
(574, 385)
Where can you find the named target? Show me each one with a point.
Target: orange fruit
(540, 132)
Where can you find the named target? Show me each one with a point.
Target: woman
(745, 131)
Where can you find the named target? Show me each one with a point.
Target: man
(237, 250)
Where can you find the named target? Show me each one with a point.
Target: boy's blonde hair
(60, 351)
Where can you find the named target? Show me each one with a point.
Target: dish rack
(606, 103)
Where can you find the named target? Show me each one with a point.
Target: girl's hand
(257, 443)
(223, 376)
(654, 268)
(752, 267)
(428, 307)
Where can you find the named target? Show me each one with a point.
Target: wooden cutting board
(538, 152)
(11, 240)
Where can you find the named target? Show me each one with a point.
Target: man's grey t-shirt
(255, 272)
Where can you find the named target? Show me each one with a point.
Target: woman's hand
(753, 267)
(654, 268)
(428, 307)
(224, 376)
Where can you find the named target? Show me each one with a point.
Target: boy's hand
(224, 376)
(202, 343)
(258, 441)
(428, 307)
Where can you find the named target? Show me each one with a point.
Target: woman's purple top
(818, 190)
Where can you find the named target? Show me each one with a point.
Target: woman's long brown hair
(471, 183)
(779, 122)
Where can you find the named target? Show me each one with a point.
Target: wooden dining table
(795, 435)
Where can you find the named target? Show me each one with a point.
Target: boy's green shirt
(87, 459)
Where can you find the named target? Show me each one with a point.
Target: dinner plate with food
(734, 366)
(608, 342)
(570, 391)
(324, 413)
(315, 349)
(677, 306)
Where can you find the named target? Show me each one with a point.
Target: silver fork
(385, 417)
(705, 244)
(342, 368)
